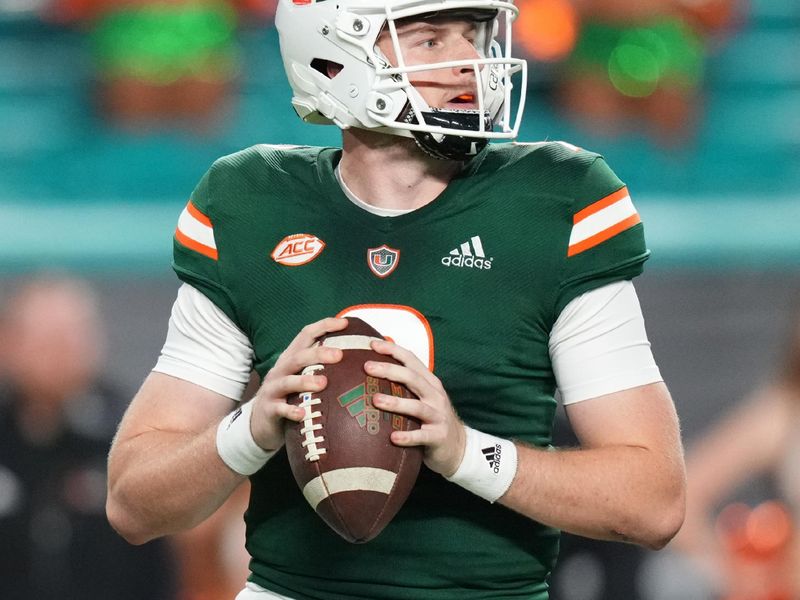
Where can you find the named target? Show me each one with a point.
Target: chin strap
(447, 146)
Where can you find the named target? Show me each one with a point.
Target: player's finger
(413, 437)
(394, 350)
(280, 387)
(289, 411)
(408, 358)
(312, 331)
(418, 385)
(410, 407)
(316, 355)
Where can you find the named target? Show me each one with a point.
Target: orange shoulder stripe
(196, 246)
(601, 237)
(195, 212)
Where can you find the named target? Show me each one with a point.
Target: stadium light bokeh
(160, 42)
(547, 30)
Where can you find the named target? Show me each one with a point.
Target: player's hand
(442, 432)
(269, 404)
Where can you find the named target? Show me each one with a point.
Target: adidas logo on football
(492, 455)
(358, 403)
(469, 254)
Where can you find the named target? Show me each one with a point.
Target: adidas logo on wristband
(482, 449)
(234, 415)
(235, 444)
(492, 455)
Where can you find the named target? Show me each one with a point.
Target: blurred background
(111, 111)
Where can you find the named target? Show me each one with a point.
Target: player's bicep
(641, 417)
(168, 404)
(163, 408)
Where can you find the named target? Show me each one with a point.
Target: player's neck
(388, 171)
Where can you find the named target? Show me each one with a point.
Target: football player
(501, 272)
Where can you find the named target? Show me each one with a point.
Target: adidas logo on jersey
(492, 456)
(469, 254)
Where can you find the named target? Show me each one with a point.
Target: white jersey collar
(381, 212)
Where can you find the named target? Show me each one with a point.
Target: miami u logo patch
(383, 260)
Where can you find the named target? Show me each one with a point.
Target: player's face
(433, 41)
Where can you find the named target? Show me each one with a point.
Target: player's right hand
(269, 404)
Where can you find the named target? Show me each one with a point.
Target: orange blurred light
(769, 527)
(546, 29)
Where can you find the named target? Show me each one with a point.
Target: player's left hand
(442, 432)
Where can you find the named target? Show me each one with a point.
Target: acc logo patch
(383, 260)
(297, 249)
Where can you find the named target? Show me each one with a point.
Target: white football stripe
(602, 220)
(350, 342)
(195, 230)
(348, 480)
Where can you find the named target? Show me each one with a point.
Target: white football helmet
(369, 93)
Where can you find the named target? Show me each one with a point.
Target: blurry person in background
(56, 422)
(638, 67)
(749, 554)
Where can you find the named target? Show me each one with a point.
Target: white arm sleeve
(598, 344)
(204, 346)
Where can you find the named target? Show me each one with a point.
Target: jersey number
(405, 326)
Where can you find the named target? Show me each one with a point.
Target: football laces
(311, 441)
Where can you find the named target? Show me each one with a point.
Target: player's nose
(465, 50)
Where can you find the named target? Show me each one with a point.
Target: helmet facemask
(371, 93)
(446, 132)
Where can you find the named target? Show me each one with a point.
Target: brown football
(341, 454)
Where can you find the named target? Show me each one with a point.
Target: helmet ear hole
(328, 68)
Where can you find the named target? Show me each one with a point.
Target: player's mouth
(463, 101)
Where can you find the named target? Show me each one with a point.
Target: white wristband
(488, 466)
(235, 443)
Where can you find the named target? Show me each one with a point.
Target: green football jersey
(472, 283)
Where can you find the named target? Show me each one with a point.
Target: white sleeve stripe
(599, 345)
(205, 347)
(196, 230)
(176, 367)
(602, 220)
(613, 383)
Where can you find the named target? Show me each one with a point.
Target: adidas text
(469, 254)
(467, 261)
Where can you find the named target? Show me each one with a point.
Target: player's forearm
(619, 493)
(164, 482)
